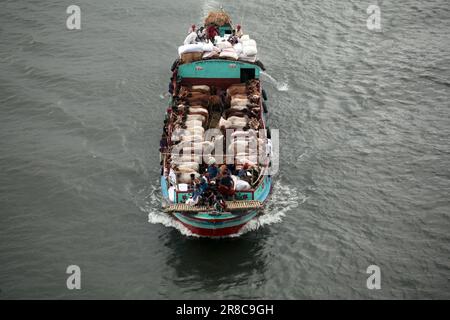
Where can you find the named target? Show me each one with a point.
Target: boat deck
(231, 206)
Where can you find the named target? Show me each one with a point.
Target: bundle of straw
(218, 18)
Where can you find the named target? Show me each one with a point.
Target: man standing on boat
(193, 28)
(201, 34)
(212, 32)
(191, 38)
(238, 32)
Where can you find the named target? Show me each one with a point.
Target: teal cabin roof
(211, 69)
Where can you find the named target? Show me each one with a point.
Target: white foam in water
(156, 214)
(281, 86)
(283, 199)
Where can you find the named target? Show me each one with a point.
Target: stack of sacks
(190, 48)
(210, 51)
(249, 49)
(224, 45)
(238, 48)
(215, 54)
(190, 52)
(218, 39)
(208, 47)
(229, 53)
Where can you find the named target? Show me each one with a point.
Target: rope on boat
(230, 206)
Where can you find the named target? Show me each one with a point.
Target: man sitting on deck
(200, 187)
(226, 187)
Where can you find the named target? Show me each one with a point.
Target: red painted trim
(211, 220)
(221, 232)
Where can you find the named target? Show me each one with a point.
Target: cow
(201, 89)
(196, 130)
(196, 117)
(237, 89)
(239, 96)
(235, 113)
(240, 107)
(193, 123)
(239, 134)
(186, 177)
(185, 166)
(239, 102)
(233, 123)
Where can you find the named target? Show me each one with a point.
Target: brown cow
(236, 90)
(235, 113)
(239, 96)
(203, 102)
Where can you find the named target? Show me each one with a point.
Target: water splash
(283, 199)
(152, 206)
(281, 86)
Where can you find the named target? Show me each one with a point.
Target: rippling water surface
(364, 122)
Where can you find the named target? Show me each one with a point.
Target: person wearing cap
(193, 28)
(213, 171)
(226, 187)
(191, 38)
(239, 32)
(200, 186)
(243, 172)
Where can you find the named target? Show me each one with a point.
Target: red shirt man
(212, 32)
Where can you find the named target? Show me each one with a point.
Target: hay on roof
(218, 18)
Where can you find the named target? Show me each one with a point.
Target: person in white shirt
(193, 28)
(191, 38)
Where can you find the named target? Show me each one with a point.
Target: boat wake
(283, 199)
(152, 206)
(280, 86)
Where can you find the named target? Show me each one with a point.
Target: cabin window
(247, 74)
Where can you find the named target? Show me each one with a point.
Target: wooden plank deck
(231, 206)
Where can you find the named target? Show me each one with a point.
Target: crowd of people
(216, 185)
(209, 34)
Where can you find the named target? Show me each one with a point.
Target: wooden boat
(208, 94)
